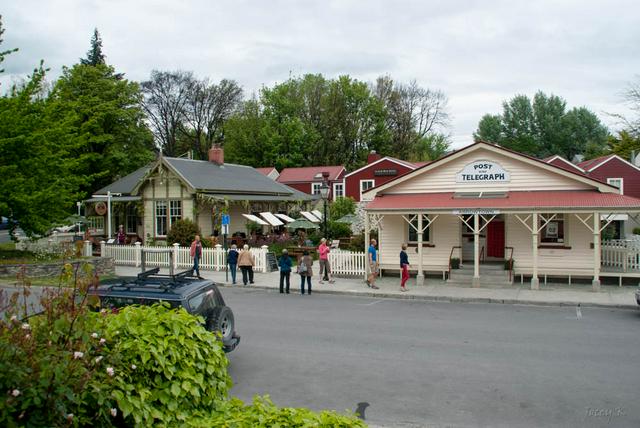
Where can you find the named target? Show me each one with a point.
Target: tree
(341, 207)
(624, 144)
(38, 186)
(412, 114)
(544, 127)
(430, 147)
(489, 129)
(166, 95)
(94, 54)
(6, 52)
(106, 114)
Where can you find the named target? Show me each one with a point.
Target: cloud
(478, 53)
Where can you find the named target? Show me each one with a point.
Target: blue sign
(225, 219)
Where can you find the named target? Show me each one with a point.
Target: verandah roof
(516, 201)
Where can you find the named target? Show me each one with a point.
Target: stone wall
(103, 265)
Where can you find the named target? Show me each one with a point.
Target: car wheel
(221, 319)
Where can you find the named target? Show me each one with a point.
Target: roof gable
(527, 173)
(386, 158)
(561, 162)
(309, 173)
(593, 164)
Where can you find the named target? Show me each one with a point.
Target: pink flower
(94, 335)
(77, 355)
(103, 341)
(98, 359)
(15, 392)
(114, 412)
(110, 371)
(26, 326)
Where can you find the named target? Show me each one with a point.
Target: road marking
(369, 304)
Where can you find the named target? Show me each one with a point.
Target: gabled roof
(267, 170)
(309, 174)
(404, 163)
(210, 178)
(496, 148)
(592, 164)
(561, 162)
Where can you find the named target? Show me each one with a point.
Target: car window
(109, 302)
(202, 301)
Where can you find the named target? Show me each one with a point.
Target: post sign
(225, 219)
(480, 211)
(225, 229)
(483, 171)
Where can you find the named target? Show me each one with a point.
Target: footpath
(437, 290)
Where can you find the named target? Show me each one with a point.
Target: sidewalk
(438, 290)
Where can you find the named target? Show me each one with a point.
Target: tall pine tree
(94, 54)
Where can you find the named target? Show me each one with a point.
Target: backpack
(302, 268)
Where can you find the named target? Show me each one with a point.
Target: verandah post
(476, 251)
(420, 275)
(596, 252)
(535, 282)
(366, 243)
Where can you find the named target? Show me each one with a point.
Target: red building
(377, 171)
(561, 162)
(309, 179)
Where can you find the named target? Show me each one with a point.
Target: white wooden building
(487, 203)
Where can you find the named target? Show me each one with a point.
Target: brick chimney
(216, 154)
(373, 156)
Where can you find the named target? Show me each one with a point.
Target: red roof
(309, 173)
(588, 165)
(266, 171)
(514, 200)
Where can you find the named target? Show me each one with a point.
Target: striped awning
(310, 217)
(271, 219)
(284, 217)
(253, 218)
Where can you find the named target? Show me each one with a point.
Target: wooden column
(535, 230)
(596, 252)
(366, 245)
(476, 251)
(420, 275)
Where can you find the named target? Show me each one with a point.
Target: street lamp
(324, 193)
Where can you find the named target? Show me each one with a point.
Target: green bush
(183, 232)
(171, 368)
(341, 207)
(636, 230)
(262, 413)
(338, 230)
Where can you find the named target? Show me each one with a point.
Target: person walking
(372, 256)
(246, 263)
(304, 270)
(196, 253)
(285, 264)
(232, 261)
(404, 266)
(121, 237)
(325, 268)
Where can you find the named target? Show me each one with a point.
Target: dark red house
(561, 162)
(377, 171)
(309, 179)
(612, 169)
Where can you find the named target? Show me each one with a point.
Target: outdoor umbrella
(349, 219)
(302, 223)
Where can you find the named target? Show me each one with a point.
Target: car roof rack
(153, 279)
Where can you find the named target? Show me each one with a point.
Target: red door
(495, 239)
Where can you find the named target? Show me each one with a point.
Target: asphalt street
(439, 364)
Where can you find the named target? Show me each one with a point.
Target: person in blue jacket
(285, 270)
(232, 261)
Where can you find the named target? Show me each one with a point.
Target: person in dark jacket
(304, 270)
(232, 261)
(404, 266)
(285, 270)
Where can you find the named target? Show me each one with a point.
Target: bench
(426, 269)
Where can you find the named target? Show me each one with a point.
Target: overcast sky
(479, 53)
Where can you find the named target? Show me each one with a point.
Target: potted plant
(455, 263)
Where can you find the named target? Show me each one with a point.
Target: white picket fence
(621, 254)
(212, 258)
(347, 262)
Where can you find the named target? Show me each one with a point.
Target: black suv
(198, 296)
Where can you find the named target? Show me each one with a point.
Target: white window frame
(339, 184)
(612, 179)
(175, 211)
(373, 184)
(315, 188)
(156, 217)
(565, 230)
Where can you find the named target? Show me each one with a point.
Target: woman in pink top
(325, 268)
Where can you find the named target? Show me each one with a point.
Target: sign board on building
(483, 171)
(481, 211)
(385, 172)
(225, 229)
(100, 208)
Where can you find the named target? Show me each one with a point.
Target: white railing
(347, 262)
(621, 254)
(212, 258)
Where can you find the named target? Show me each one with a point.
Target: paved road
(439, 364)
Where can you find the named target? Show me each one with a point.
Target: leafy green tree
(489, 129)
(624, 144)
(430, 147)
(106, 115)
(544, 127)
(341, 207)
(6, 52)
(37, 164)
